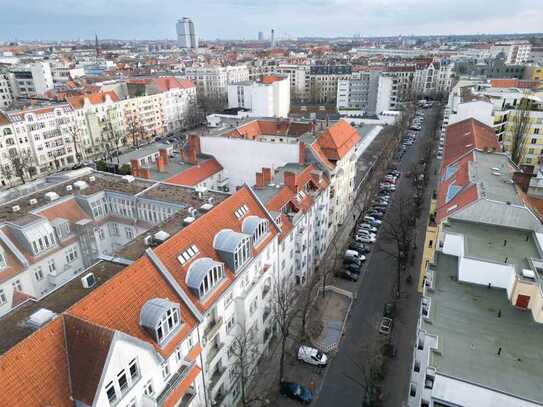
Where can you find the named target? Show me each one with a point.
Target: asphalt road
(344, 378)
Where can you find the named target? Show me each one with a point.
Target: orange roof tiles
(77, 102)
(468, 135)
(255, 128)
(35, 371)
(88, 346)
(13, 266)
(19, 297)
(181, 389)
(69, 210)
(202, 233)
(269, 79)
(117, 303)
(197, 173)
(166, 83)
(337, 140)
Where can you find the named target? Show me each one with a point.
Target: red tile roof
(515, 83)
(19, 297)
(337, 140)
(166, 83)
(35, 371)
(277, 127)
(94, 98)
(69, 210)
(197, 173)
(88, 346)
(117, 303)
(468, 135)
(202, 233)
(176, 395)
(13, 266)
(269, 79)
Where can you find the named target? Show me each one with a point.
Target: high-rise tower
(186, 34)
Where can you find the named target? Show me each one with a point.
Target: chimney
(190, 156)
(160, 166)
(290, 180)
(194, 142)
(301, 147)
(135, 166)
(259, 180)
(164, 155)
(145, 173)
(267, 175)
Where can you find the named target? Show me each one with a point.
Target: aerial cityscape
(239, 203)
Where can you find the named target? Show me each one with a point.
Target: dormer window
(233, 247)
(161, 318)
(204, 275)
(256, 227)
(61, 227)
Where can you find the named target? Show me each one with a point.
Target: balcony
(213, 352)
(223, 182)
(266, 314)
(188, 397)
(219, 398)
(174, 381)
(217, 376)
(265, 290)
(212, 328)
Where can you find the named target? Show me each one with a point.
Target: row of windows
(122, 382)
(43, 243)
(212, 278)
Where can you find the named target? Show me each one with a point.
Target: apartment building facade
(270, 97)
(213, 82)
(33, 79)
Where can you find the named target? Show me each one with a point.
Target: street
(343, 381)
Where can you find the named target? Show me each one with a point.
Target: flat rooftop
(496, 244)
(13, 327)
(21, 196)
(465, 319)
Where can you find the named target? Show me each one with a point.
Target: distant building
(369, 92)
(186, 34)
(273, 38)
(268, 98)
(260, 36)
(516, 52)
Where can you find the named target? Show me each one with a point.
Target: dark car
(389, 310)
(353, 268)
(296, 391)
(376, 215)
(359, 247)
(352, 260)
(347, 275)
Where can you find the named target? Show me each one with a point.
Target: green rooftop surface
(470, 334)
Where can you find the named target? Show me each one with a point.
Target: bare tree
(369, 364)
(307, 296)
(22, 162)
(6, 172)
(75, 135)
(284, 313)
(244, 350)
(214, 103)
(396, 240)
(519, 127)
(135, 131)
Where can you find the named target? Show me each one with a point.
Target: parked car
(385, 326)
(358, 247)
(389, 310)
(368, 227)
(353, 261)
(312, 356)
(374, 213)
(347, 275)
(296, 391)
(353, 268)
(364, 239)
(351, 254)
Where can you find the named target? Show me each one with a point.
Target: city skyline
(326, 18)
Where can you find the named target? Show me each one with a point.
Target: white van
(312, 356)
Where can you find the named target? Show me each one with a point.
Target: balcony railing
(213, 352)
(187, 398)
(174, 381)
(266, 314)
(212, 329)
(265, 290)
(217, 376)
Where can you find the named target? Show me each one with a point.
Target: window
(169, 321)
(148, 389)
(133, 369)
(132, 403)
(534, 141)
(129, 233)
(111, 393)
(178, 354)
(101, 234)
(71, 254)
(165, 370)
(123, 381)
(51, 265)
(228, 300)
(3, 298)
(230, 324)
(17, 285)
(536, 130)
(38, 274)
(241, 255)
(430, 243)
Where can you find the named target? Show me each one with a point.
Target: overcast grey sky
(227, 19)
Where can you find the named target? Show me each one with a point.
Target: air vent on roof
(149, 240)
(206, 207)
(211, 200)
(128, 178)
(161, 236)
(69, 188)
(15, 208)
(40, 318)
(81, 185)
(194, 212)
(188, 220)
(92, 178)
(88, 280)
(51, 196)
(33, 201)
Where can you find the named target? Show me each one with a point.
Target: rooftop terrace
(465, 319)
